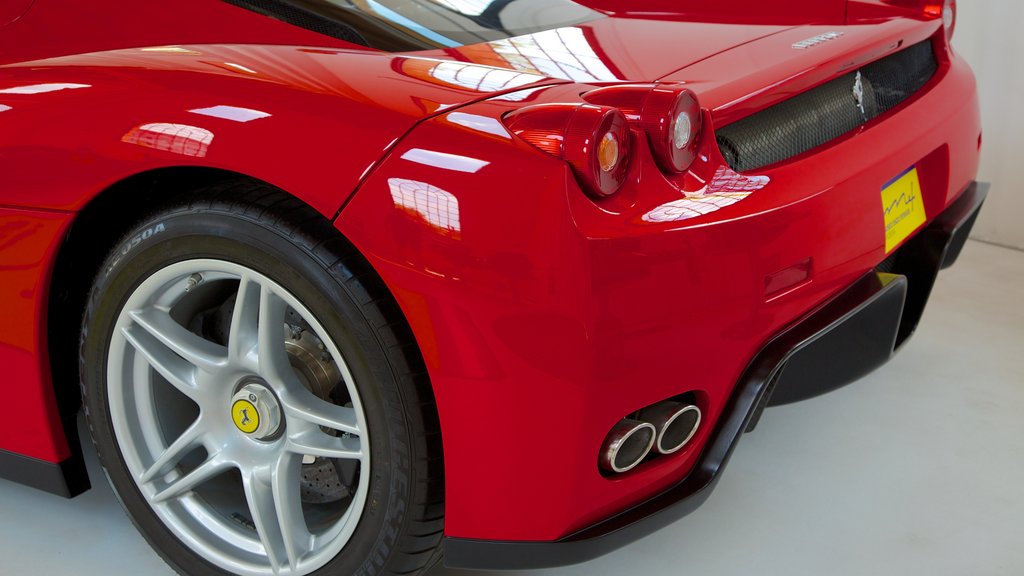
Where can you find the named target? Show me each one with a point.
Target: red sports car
(345, 283)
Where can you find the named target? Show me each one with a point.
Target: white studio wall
(988, 35)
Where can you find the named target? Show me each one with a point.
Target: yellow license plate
(903, 208)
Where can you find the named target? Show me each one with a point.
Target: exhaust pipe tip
(627, 445)
(677, 423)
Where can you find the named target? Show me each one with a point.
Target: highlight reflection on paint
(175, 138)
(445, 160)
(481, 78)
(725, 189)
(560, 53)
(43, 88)
(437, 207)
(479, 123)
(234, 113)
(171, 50)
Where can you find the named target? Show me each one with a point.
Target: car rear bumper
(853, 333)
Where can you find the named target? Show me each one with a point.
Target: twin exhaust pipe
(665, 427)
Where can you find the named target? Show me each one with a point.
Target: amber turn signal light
(594, 140)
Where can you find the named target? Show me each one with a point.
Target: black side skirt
(67, 478)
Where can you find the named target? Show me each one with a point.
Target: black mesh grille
(897, 77)
(827, 112)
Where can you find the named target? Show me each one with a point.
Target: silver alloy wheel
(233, 496)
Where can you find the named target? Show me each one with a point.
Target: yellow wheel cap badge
(245, 416)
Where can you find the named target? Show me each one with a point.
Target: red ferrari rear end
(832, 179)
(614, 240)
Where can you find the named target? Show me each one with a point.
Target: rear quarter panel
(312, 121)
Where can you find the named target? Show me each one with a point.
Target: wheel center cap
(255, 411)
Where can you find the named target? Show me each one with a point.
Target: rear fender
(310, 121)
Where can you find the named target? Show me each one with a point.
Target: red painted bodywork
(29, 240)
(777, 12)
(735, 11)
(537, 309)
(11, 10)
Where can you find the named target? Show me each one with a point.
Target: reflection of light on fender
(240, 68)
(43, 88)
(560, 53)
(171, 50)
(4, 108)
(479, 123)
(177, 138)
(445, 160)
(474, 77)
(520, 95)
(440, 209)
(233, 113)
(725, 189)
(481, 78)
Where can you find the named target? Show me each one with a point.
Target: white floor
(918, 469)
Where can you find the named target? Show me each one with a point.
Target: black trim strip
(935, 248)
(849, 350)
(67, 478)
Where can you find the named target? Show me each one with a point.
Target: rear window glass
(403, 25)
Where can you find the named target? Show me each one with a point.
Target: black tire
(263, 229)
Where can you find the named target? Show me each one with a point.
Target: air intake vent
(825, 113)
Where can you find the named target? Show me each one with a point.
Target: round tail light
(597, 146)
(947, 11)
(669, 115)
(594, 140)
(949, 18)
(672, 119)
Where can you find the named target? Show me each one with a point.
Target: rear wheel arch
(91, 236)
(107, 218)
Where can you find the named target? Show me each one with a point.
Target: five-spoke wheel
(255, 401)
(243, 417)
